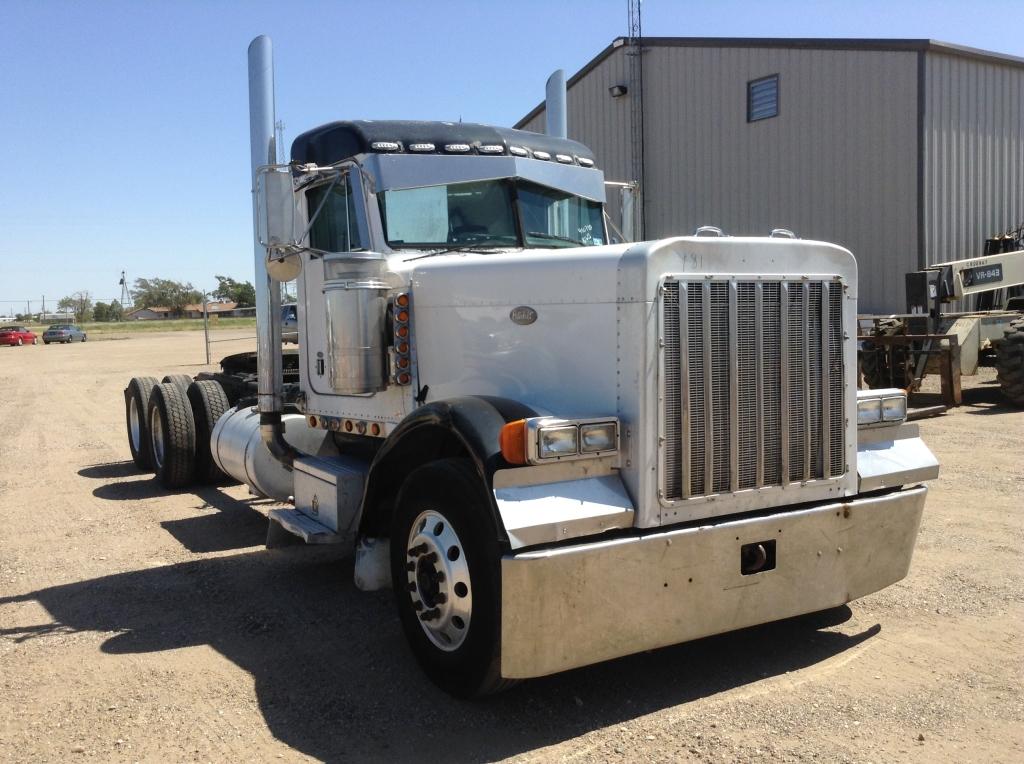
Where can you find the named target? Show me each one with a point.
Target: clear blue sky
(126, 123)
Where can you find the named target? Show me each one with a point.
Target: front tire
(136, 404)
(172, 436)
(445, 568)
(20, 343)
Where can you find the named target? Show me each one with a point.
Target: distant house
(225, 308)
(148, 314)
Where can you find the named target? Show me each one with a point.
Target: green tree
(165, 293)
(241, 292)
(115, 311)
(79, 303)
(101, 312)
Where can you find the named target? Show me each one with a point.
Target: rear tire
(442, 523)
(181, 380)
(209, 403)
(136, 404)
(172, 436)
(1010, 363)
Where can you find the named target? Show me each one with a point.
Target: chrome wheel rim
(134, 424)
(156, 435)
(437, 580)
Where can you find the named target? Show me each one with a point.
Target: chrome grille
(752, 381)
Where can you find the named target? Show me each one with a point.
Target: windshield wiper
(553, 237)
(473, 250)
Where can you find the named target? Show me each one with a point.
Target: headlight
(543, 440)
(881, 407)
(894, 409)
(597, 437)
(869, 411)
(557, 441)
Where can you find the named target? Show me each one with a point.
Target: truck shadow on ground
(334, 679)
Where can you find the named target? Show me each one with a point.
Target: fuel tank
(238, 450)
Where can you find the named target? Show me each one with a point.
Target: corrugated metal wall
(839, 163)
(974, 154)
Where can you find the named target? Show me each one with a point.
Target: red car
(17, 335)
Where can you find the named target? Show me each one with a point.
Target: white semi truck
(554, 449)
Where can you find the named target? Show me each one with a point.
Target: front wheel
(444, 565)
(20, 343)
(35, 340)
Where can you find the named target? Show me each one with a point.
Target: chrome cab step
(291, 522)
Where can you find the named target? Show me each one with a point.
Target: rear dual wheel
(444, 565)
(209, 403)
(136, 405)
(172, 436)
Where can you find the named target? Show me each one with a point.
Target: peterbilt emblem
(524, 315)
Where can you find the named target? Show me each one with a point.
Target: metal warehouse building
(907, 152)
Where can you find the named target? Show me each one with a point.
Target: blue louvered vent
(763, 98)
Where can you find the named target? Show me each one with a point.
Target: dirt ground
(137, 625)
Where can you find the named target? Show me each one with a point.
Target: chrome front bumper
(576, 605)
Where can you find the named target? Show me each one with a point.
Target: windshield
(490, 213)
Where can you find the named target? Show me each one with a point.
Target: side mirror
(275, 221)
(275, 208)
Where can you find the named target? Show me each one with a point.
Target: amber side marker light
(513, 442)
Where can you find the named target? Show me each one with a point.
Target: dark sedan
(63, 333)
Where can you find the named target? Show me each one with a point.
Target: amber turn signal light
(513, 442)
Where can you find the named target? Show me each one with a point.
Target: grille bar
(784, 380)
(752, 384)
(709, 396)
(684, 387)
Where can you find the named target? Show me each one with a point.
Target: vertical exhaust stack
(263, 148)
(555, 117)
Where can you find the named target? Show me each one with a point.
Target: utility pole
(206, 327)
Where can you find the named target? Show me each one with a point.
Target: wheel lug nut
(432, 557)
(417, 550)
(412, 586)
(440, 598)
(410, 566)
(417, 606)
(430, 615)
(439, 576)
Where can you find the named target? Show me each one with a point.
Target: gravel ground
(137, 625)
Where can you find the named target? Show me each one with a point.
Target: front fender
(467, 426)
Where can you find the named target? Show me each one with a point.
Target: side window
(335, 228)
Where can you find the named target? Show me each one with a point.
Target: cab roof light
(584, 162)
(491, 148)
(384, 146)
(564, 158)
(456, 148)
(419, 148)
(542, 155)
(518, 151)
